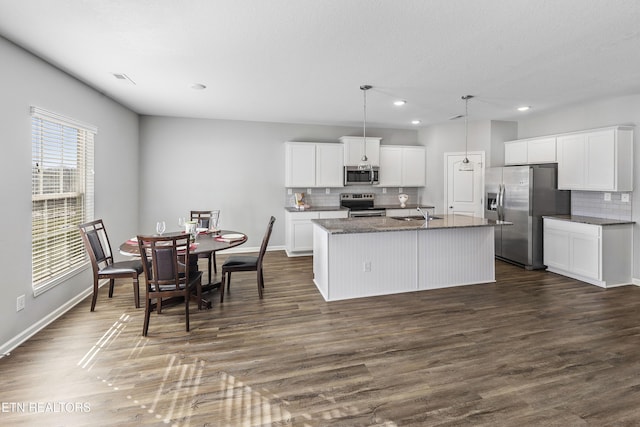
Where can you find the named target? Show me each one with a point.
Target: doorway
(463, 190)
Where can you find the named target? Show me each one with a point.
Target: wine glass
(160, 227)
(181, 222)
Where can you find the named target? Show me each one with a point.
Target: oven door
(366, 213)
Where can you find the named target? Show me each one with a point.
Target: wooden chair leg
(187, 297)
(94, 298)
(112, 283)
(136, 291)
(209, 266)
(222, 283)
(147, 315)
(260, 283)
(215, 265)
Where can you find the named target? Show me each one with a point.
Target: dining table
(206, 242)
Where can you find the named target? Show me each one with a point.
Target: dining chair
(247, 263)
(207, 219)
(96, 242)
(165, 263)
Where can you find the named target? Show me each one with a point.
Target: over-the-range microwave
(354, 175)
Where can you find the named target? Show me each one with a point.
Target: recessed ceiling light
(524, 108)
(415, 122)
(198, 86)
(399, 103)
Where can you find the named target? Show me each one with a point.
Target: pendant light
(364, 161)
(466, 165)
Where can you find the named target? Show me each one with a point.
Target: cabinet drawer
(334, 214)
(573, 227)
(304, 215)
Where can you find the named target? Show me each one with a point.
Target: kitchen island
(361, 257)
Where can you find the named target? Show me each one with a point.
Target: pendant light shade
(466, 165)
(364, 161)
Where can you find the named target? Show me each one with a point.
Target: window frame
(62, 196)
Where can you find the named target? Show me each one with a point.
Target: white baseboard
(635, 281)
(14, 342)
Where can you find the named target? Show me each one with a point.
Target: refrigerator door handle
(501, 202)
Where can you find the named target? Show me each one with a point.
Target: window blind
(61, 193)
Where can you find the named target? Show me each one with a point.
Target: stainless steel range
(360, 205)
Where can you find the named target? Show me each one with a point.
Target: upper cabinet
(309, 164)
(354, 149)
(530, 151)
(596, 160)
(402, 166)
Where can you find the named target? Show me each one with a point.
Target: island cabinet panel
(360, 264)
(448, 259)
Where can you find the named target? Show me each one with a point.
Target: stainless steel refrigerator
(521, 195)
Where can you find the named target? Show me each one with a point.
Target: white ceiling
(303, 61)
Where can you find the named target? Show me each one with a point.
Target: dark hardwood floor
(533, 349)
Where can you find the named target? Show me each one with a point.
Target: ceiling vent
(122, 76)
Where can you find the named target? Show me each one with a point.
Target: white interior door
(464, 189)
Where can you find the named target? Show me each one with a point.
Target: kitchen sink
(413, 218)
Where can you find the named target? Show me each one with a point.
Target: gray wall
(234, 166)
(449, 137)
(25, 81)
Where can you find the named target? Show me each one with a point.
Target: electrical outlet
(308, 191)
(366, 266)
(624, 198)
(20, 302)
(289, 191)
(327, 191)
(400, 190)
(607, 197)
(384, 191)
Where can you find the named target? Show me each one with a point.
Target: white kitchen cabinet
(515, 152)
(402, 166)
(597, 160)
(310, 164)
(329, 170)
(530, 151)
(299, 229)
(596, 254)
(354, 149)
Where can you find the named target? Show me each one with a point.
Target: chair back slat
(96, 242)
(96, 245)
(206, 219)
(165, 261)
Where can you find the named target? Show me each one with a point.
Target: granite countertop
(383, 224)
(588, 219)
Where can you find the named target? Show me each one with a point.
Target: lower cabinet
(299, 229)
(596, 254)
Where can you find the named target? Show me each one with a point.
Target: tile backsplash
(593, 203)
(319, 198)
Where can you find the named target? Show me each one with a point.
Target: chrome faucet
(424, 214)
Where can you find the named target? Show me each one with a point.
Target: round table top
(205, 243)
